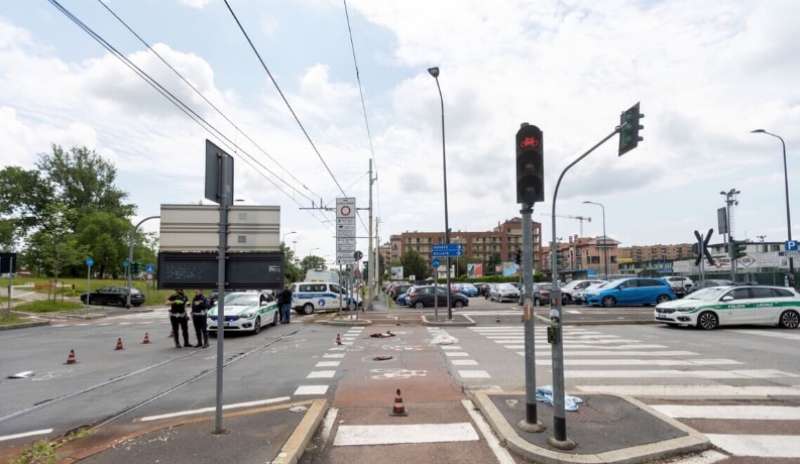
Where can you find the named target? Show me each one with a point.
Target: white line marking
(540, 346)
(769, 333)
(328, 364)
(337, 348)
(643, 362)
(359, 435)
(706, 457)
(502, 455)
(333, 355)
(124, 323)
(574, 311)
(321, 375)
(25, 434)
(697, 391)
(346, 343)
(674, 373)
(311, 390)
(762, 446)
(456, 354)
(464, 362)
(734, 412)
(58, 326)
(609, 353)
(225, 407)
(327, 424)
(474, 374)
(451, 347)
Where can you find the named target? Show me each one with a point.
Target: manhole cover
(382, 358)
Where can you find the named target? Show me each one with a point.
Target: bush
(48, 306)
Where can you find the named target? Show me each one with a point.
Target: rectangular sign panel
(195, 228)
(246, 271)
(722, 221)
(219, 174)
(450, 249)
(345, 230)
(8, 263)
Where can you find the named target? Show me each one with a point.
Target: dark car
(110, 296)
(422, 297)
(398, 289)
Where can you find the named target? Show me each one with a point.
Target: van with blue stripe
(308, 297)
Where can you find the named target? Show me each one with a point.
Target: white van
(308, 297)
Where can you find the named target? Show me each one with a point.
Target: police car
(712, 307)
(308, 297)
(244, 312)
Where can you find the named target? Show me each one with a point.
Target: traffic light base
(531, 428)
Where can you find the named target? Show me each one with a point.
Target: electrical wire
(188, 111)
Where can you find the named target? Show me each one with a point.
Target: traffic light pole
(130, 256)
(555, 331)
(531, 422)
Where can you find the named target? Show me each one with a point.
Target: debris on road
(545, 395)
(386, 334)
(444, 339)
(22, 375)
(382, 358)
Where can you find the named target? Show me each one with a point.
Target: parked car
(483, 290)
(402, 300)
(114, 296)
(423, 298)
(489, 288)
(468, 289)
(571, 290)
(680, 285)
(580, 295)
(397, 289)
(245, 312)
(712, 307)
(504, 292)
(631, 291)
(711, 283)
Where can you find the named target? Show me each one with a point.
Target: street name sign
(447, 249)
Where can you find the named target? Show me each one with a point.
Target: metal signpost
(10, 269)
(345, 237)
(447, 250)
(219, 188)
(702, 252)
(89, 263)
(435, 265)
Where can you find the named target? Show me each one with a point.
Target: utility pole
(370, 253)
(376, 271)
(730, 200)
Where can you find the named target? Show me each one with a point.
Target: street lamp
(130, 257)
(434, 71)
(283, 239)
(605, 237)
(786, 189)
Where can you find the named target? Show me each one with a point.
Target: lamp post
(786, 191)
(605, 237)
(130, 257)
(435, 73)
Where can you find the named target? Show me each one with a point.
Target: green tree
(414, 264)
(104, 237)
(291, 272)
(312, 262)
(24, 197)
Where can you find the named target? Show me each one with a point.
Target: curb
(693, 442)
(601, 322)
(295, 446)
(24, 325)
(470, 322)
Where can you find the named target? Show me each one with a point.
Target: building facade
(494, 246)
(656, 253)
(584, 256)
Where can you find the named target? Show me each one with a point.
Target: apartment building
(659, 252)
(585, 255)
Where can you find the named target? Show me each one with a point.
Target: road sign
(89, 262)
(126, 263)
(722, 220)
(791, 245)
(219, 175)
(449, 249)
(702, 247)
(345, 230)
(149, 268)
(435, 263)
(8, 263)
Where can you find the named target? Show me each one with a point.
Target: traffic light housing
(518, 257)
(739, 249)
(135, 268)
(629, 128)
(530, 165)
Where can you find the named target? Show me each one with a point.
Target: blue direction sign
(791, 245)
(435, 263)
(449, 249)
(125, 263)
(149, 268)
(89, 262)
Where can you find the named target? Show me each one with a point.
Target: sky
(706, 73)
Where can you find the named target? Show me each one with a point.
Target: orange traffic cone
(399, 408)
(71, 358)
(338, 339)
(146, 339)
(119, 345)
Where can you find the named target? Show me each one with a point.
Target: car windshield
(506, 287)
(241, 299)
(707, 294)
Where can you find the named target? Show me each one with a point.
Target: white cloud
(199, 4)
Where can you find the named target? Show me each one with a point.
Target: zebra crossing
(746, 411)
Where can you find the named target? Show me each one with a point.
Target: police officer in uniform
(177, 316)
(199, 312)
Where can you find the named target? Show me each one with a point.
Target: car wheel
(707, 321)
(419, 305)
(308, 308)
(257, 326)
(609, 301)
(662, 299)
(275, 319)
(458, 304)
(790, 320)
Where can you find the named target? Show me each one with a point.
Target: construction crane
(580, 219)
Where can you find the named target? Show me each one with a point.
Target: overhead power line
(188, 111)
(211, 104)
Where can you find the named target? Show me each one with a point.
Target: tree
(104, 237)
(414, 264)
(312, 262)
(291, 273)
(24, 197)
(491, 265)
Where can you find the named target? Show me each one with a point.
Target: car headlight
(683, 310)
(248, 315)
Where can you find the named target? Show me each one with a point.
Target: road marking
(346, 343)
(58, 326)
(574, 311)
(769, 333)
(674, 373)
(25, 434)
(321, 375)
(360, 435)
(696, 391)
(464, 362)
(337, 348)
(328, 364)
(225, 407)
(474, 374)
(741, 412)
(327, 424)
(106, 324)
(762, 446)
(311, 390)
(611, 353)
(451, 347)
(706, 457)
(333, 355)
(456, 354)
(643, 362)
(540, 346)
(502, 455)
(124, 323)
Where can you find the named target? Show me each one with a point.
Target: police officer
(199, 311)
(285, 305)
(178, 317)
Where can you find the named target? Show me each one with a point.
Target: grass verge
(10, 319)
(44, 451)
(48, 306)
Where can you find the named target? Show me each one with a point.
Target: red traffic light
(529, 142)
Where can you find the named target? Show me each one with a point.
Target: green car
(244, 312)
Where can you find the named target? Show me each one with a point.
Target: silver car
(504, 292)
